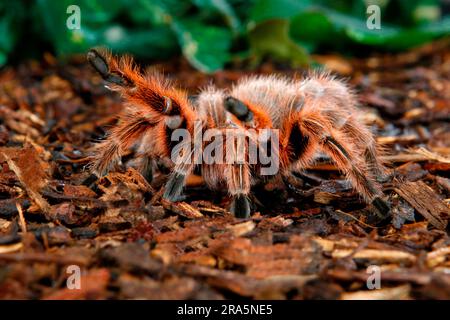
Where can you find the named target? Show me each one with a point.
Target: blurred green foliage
(210, 33)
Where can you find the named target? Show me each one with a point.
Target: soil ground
(313, 239)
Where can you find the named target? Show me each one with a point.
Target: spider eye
(167, 105)
(238, 108)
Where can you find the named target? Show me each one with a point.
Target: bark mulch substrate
(310, 238)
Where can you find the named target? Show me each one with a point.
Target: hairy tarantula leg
(366, 186)
(363, 139)
(150, 100)
(240, 207)
(238, 183)
(343, 157)
(376, 166)
(184, 158)
(174, 186)
(346, 159)
(339, 105)
(121, 137)
(148, 91)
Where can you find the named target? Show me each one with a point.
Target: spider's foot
(174, 187)
(240, 207)
(382, 207)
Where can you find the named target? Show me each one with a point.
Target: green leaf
(206, 47)
(54, 18)
(276, 9)
(149, 13)
(157, 12)
(312, 27)
(98, 28)
(157, 42)
(329, 26)
(416, 12)
(271, 38)
(9, 37)
(389, 36)
(206, 30)
(222, 7)
(11, 17)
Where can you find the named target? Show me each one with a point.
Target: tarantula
(316, 114)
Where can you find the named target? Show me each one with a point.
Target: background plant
(212, 33)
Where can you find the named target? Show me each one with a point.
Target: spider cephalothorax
(291, 118)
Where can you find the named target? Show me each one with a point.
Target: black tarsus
(238, 108)
(174, 186)
(98, 62)
(382, 207)
(240, 207)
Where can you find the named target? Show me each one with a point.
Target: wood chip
(182, 208)
(438, 256)
(397, 293)
(426, 202)
(11, 248)
(392, 256)
(241, 229)
(30, 171)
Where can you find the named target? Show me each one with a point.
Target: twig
(23, 224)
